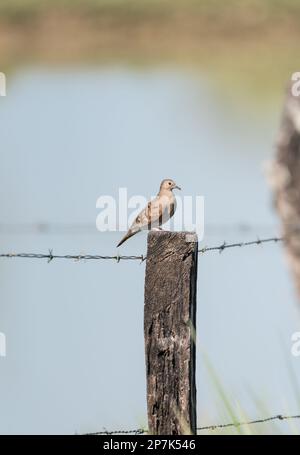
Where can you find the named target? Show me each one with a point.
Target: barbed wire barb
(225, 245)
(250, 422)
(137, 431)
(80, 257)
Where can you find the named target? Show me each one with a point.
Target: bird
(157, 212)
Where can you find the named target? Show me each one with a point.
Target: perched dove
(157, 212)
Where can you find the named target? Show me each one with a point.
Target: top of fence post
(169, 328)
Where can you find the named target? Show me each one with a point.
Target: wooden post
(170, 328)
(285, 179)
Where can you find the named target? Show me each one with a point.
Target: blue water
(74, 330)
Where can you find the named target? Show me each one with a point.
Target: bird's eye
(170, 183)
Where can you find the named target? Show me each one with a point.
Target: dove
(157, 212)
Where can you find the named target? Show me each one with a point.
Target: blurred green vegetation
(232, 411)
(144, 7)
(218, 11)
(249, 43)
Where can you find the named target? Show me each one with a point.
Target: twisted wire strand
(225, 245)
(85, 257)
(138, 431)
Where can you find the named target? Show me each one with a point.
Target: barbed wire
(225, 245)
(76, 257)
(107, 432)
(79, 257)
(204, 428)
(250, 422)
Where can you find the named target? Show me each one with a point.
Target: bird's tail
(127, 236)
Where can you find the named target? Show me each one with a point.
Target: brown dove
(156, 212)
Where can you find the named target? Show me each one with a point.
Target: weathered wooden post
(285, 179)
(169, 328)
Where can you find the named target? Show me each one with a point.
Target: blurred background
(103, 94)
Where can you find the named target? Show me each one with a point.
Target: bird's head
(168, 184)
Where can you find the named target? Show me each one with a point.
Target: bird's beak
(177, 187)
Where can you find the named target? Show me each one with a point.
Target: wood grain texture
(169, 328)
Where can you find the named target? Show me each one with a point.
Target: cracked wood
(169, 328)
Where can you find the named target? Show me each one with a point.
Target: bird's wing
(161, 210)
(151, 215)
(154, 211)
(172, 208)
